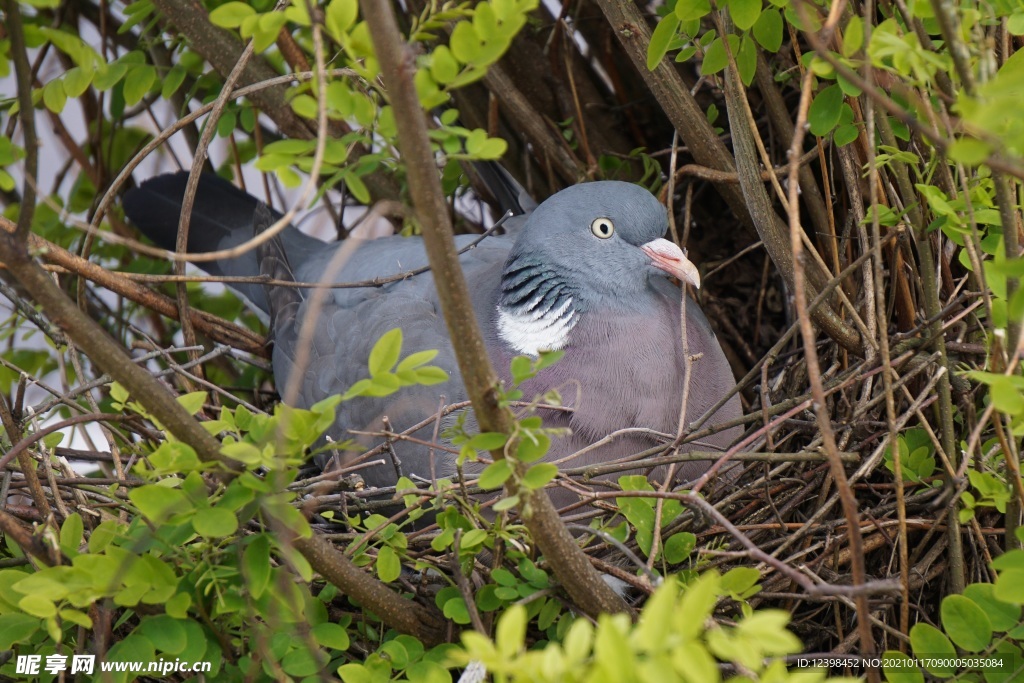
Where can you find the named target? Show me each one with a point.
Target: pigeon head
(593, 246)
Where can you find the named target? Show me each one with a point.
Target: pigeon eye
(602, 227)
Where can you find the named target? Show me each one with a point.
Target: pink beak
(669, 257)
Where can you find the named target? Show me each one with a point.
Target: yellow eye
(602, 227)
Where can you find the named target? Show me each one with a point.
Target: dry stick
(189, 198)
(856, 590)
(784, 340)
(928, 277)
(687, 365)
(568, 562)
(534, 127)
(28, 465)
(887, 379)
(847, 498)
(630, 28)
(932, 306)
(739, 101)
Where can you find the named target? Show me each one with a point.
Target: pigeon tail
(219, 210)
(222, 218)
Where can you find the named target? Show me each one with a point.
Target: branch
(397, 62)
(26, 115)
(395, 611)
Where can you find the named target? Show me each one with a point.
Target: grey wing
(351, 321)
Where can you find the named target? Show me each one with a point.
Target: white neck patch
(531, 333)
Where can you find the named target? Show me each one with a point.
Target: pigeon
(586, 272)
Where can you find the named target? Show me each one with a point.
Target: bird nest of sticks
(775, 501)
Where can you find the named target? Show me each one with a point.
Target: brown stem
(846, 496)
(403, 615)
(26, 115)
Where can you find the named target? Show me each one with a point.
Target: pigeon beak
(668, 257)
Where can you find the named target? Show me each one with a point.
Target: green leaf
(495, 474)
(16, 628)
(53, 439)
(1015, 24)
(77, 80)
(455, 609)
(928, 641)
(966, 624)
(158, 502)
(679, 546)
(300, 662)
(479, 146)
(428, 672)
(716, 58)
(845, 134)
(488, 441)
(746, 60)
(166, 633)
(744, 13)
(415, 360)
(340, 15)
(506, 503)
(38, 606)
(71, 534)
(430, 375)
(389, 567)
(905, 672)
(109, 74)
(192, 402)
(256, 565)
(531, 450)
(1003, 616)
(539, 475)
(739, 579)
(825, 110)
(443, 65)
(172, 81)
(688, 10)
(137, 83)
(661, 38)
(231, 14)
(54, 96)
(331, 635)
(510, 636)
(385, 352)
(853, 37)
(464, 43)
(1009, 587)
(768, 30)
(214, 522)
(969, 151)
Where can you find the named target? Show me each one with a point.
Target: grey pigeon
(586, 273)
